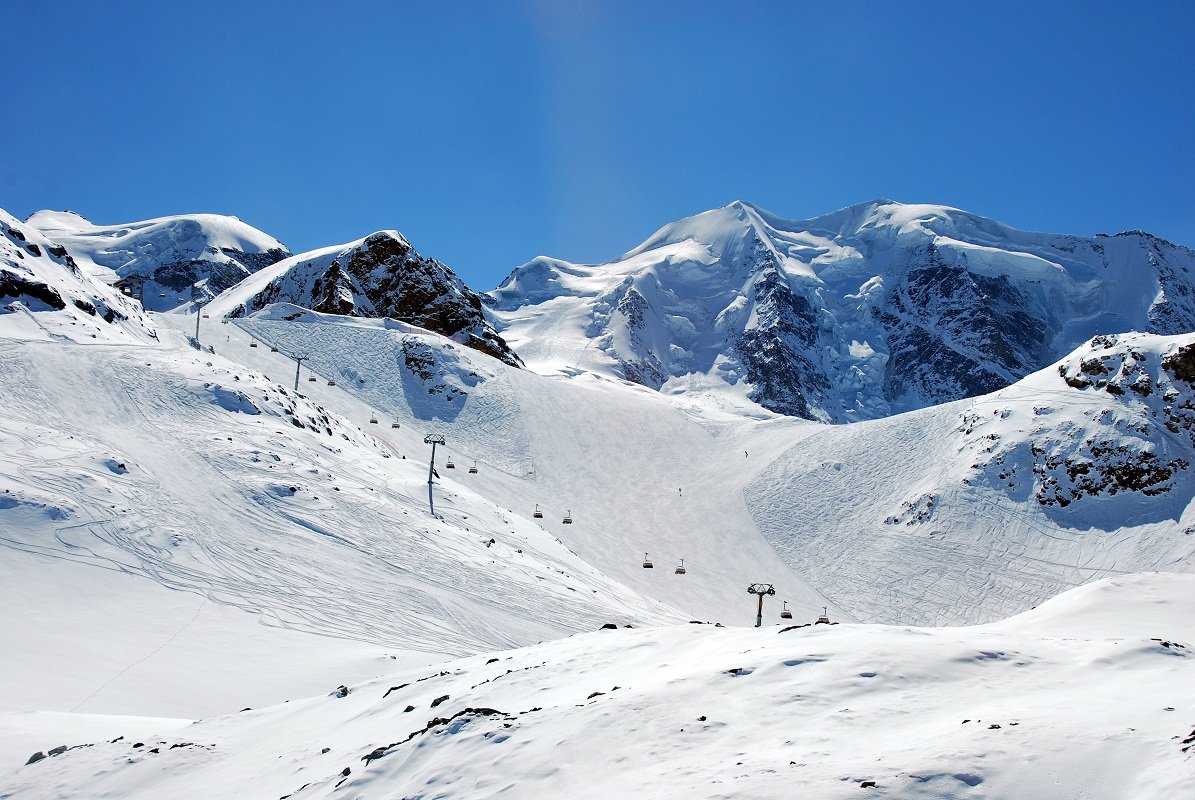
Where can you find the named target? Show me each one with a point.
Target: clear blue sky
(490, 132)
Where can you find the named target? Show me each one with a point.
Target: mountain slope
(44, 294)
(1088, 696)
(166, 262)
(380, 275)
(988, 506)
(872, 310)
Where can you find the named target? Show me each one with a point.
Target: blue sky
(491, 132)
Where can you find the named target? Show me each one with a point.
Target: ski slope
(1092, 696)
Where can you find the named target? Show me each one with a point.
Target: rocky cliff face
(873, 310)
(383, 276)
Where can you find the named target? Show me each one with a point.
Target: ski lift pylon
(647, 562)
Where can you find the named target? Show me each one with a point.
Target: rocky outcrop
(383, 276)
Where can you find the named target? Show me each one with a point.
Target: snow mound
(1091, 693)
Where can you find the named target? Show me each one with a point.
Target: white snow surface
(1092, 695)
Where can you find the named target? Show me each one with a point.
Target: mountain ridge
(870, 310)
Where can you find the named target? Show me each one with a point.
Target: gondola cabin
(824, 619)
(785, 613)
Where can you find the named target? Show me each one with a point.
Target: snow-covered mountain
(206, 533)
(380, 275)
(44, 294)
(872, 310)
(166, 262)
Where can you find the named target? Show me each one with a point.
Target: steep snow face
(1091, 692)
(875, 309)
(378, 276)
(1082, 470)
(44, 294)
(169, 262)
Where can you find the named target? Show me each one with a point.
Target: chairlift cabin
(680, 570)
(311, 379)
(395, 425)
(647, 563)
(785, 613)
(568, 517)
(253, 344)
(824, 619)
(161, 294)
(181, 299)
(331, 382)
(473, 469)
(450, 465)
(537, 513)
(373, 419)
(207, 316)
(273, 349)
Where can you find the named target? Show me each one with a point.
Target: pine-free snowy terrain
(1091, 695)
(184, 534)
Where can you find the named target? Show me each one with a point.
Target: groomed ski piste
(185, 536)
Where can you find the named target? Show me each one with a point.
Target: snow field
(1087, 696)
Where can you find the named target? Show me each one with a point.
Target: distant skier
(744, 454)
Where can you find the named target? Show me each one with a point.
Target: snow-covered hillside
(191, 528)
(166, 262)
(875, 309)
(380, 275)
(1092, 695)
(44, 294)
(983, 507)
